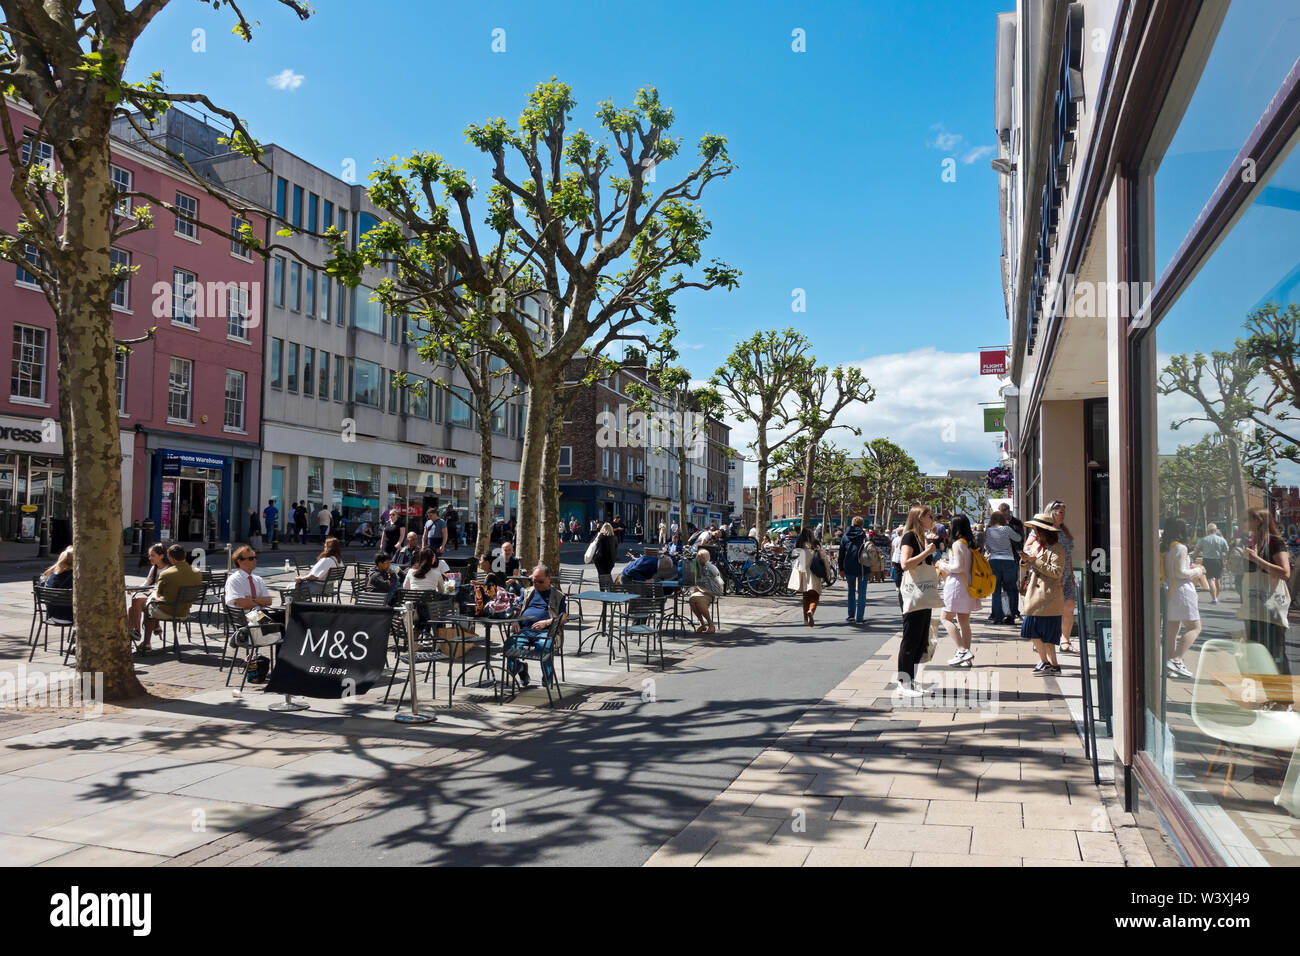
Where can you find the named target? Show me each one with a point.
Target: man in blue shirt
(543, 605)
(272, 515)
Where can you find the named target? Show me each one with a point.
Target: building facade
(335, 427)
(603, 458)
(188, 400)
(1149, 187)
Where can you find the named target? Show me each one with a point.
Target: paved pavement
(687, 765)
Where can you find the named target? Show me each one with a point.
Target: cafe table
(1261, 691)
(608, 600)
(488, 671)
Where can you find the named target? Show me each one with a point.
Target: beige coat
(801, 577)
(1045, 594)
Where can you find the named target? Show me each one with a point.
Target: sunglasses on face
(249, 557)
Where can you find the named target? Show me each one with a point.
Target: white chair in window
(1219, 717)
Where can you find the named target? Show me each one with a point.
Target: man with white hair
(543, 606)
(701, 575)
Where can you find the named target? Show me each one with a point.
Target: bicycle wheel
(760, 579)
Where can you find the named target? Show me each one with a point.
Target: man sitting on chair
(246, 590)
(543, 606)
(162, 605)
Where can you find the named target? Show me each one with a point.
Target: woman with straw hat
(1044, 596)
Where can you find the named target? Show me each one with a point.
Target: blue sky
(839, 189)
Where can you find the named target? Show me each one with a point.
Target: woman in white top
(802, 578)
(1183, 610)
(958, 605)
(424, 574)
(331, 557)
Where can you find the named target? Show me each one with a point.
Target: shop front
(35, 484)
(601, 502)
(1157, 334)
(192, 495)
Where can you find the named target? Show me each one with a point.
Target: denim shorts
(1045, 629)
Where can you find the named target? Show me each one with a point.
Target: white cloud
(285, 80)
(945, 141)
(922, 398)
(954, 143)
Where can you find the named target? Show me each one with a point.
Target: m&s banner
(331, 651)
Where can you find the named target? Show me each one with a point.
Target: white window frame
(119, 374)
(238, 311)
(184, 225)
(565, 466)
(123, 287)
(124, 183)
(185, 306)
(20, 345)
(237, 248)
(185, 367)
(241, 378)
(44, 150)
(33, 255)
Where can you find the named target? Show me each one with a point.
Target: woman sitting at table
(157, 562)
(59, 575)
(425, 575)
(331, 557)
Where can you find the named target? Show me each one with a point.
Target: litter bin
(60, 534)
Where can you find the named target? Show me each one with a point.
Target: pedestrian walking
(998, 540)
(663, 534)
(1211, 550)
(854, 569)
(300, 521)
(1265, 594)
(916, 558)
(254, 528)
(605, 556)
(895, 562)
(1057, 510)
(323, 523)
(271, 514)
(1044, 558)
(1183, 611)
(806, 576)
(958, 604)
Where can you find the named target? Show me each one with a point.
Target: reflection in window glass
(1222, 478)
(1251, 48)
(367, 382)
(368, 315)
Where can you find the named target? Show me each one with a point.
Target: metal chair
(38, 609)
(333, 590)
(643, 617)
(426, 639)
(214, 592)
(186, 597)
(269, 636)
(360, 577)
(543, 652)
(571, 581)
(54, 603)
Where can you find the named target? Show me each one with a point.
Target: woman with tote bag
(808, 576)
(919, 590)
(606, 553)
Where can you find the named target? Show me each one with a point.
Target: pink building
(189, 401)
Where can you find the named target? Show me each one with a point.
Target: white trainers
(958, 657)
(1178, 669)
(911, 690)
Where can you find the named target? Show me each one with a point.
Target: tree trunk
(760, 506)
(84, 322)
(483, 398)
(540, 395)
(806, 511)
(550, 517)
